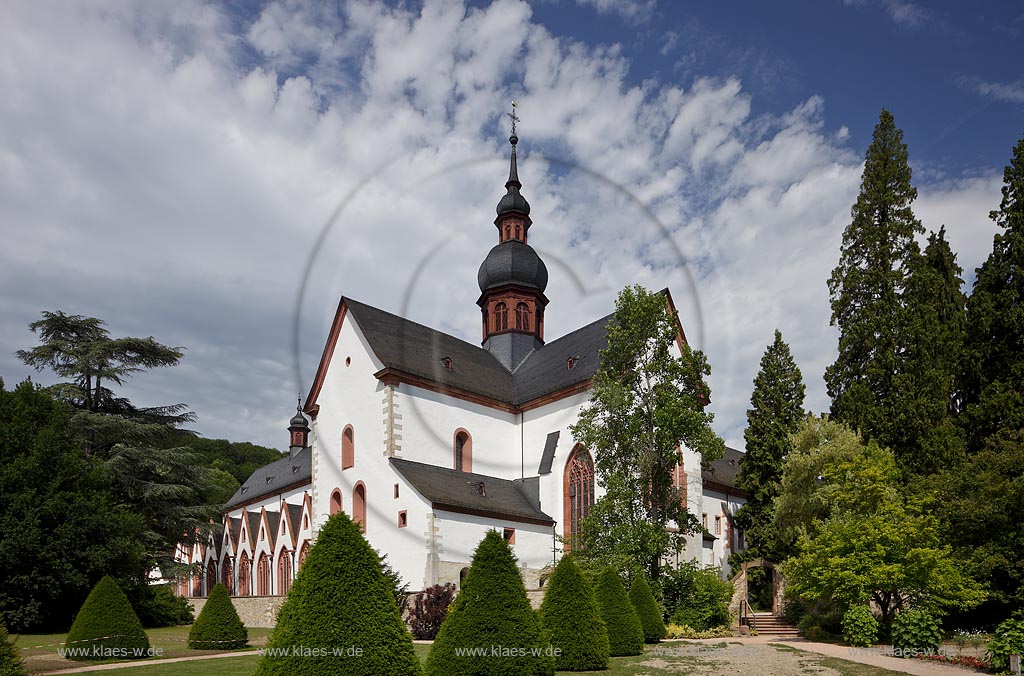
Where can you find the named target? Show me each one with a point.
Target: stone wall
(255, 611)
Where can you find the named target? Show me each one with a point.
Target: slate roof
(725, 470)
(281, 473)
(457, 491)
(548, 457)
(418, 350)
(294, 521)
(253, 531)
(273, 523)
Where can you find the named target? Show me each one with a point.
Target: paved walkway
(862, 656)
(906, 666)
(125, 665)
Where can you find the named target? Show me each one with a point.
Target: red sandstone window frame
(577, 491)
(462, 456)
(359, 505)
(348, 447)
(337, 504)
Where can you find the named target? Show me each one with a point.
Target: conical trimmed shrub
(647, 610)
(106, 627)
(340, 616)
(573, 618)
(491, 628)
(10, 661)
(625, 635)
(218, 626)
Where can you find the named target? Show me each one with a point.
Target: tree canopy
(645, 402)
(865, 540)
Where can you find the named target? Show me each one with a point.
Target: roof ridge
(410, 321)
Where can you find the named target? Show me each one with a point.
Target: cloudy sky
(190, 170)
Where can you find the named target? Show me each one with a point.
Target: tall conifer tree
(925, 437)
(868, 284)
(777, 407)
(994, 363)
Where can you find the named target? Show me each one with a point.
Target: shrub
(107, 612)
(10, 661)
(218, 626)
(573, 618)
(822, 622)
(697, 597)
(429, 610)
(860, 628)
(625, 635)
(158, 606)
(647, 609)
(1007, 639)
(490, 612)
(794, 610)
(684, 631)
(340, 616)
(916, 630)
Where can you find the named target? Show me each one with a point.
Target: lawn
(672, 657)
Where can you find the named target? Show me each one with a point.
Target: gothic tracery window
(263, 576)
(579, 491)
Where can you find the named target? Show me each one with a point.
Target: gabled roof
(724, 470)
(406, 348)
(253, 529)
(460, 492)
(294, 522)
(274, 478)
(273, 523)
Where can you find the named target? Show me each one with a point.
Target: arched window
(359, 506)
(508, 231)
(523, 317)
(197, 584)
(335, 502)
(500, 317)
(226, 577)
(284, 572)
(263, 576)
(211, 576)
(578, 488)
(348, 447)
(183, 585)
(244, 575)
(519, 231)
(462, 576)
(463, 451)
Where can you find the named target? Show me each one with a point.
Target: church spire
(512, 277)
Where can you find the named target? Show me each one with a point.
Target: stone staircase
(766, 624)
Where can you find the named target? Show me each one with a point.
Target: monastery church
(428, 442)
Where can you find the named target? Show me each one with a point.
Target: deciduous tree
(645, 402)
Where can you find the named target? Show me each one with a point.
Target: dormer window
(570, 363)
(269, 479)
(244, 489)
(447, 363)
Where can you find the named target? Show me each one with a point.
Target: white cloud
(170, 168)
(999, 91)
(631, 10)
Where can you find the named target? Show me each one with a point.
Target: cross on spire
(513, 117)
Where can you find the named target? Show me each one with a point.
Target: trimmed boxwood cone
(10, 661)
(106, 627)
(573, 618)
(218, 626)
(492, 619)
(647, 609)
(625, 635)
(340, 616)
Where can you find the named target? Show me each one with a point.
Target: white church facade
(428, 442)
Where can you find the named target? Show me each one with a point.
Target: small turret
(298, 430)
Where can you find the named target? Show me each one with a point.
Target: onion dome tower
(512, 278)
(298, 431)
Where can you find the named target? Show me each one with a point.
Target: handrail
(745, 612)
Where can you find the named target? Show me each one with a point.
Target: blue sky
(171, 168)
